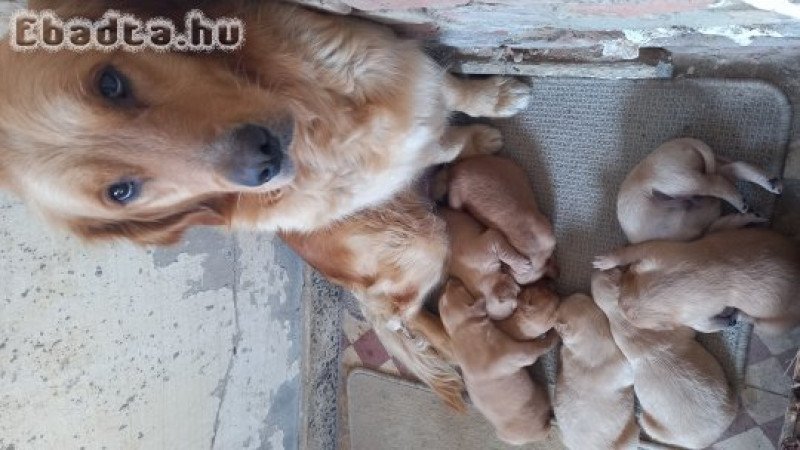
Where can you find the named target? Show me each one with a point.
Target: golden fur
(476, 258)
(535, 313)
(674, 193)
(593, 400)
(493, 365)
(368, 114)
(496, 191)
(668, 284)
(684, 395)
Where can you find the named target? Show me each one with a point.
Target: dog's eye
(113, 85)
(124, 192)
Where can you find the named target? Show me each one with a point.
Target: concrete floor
(115, 347)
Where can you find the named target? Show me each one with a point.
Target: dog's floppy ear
(164, 231)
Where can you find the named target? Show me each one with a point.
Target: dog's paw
(775, 185)
(512, 97)
(486, 140)
(604, 262)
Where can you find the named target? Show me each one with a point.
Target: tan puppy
(594, 388)
(674, 192)
(535, 313)
(685, 398)
(493, 365)
(476, 258)
(497, 192)
(756, 271)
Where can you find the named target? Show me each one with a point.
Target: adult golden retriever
(312, 121)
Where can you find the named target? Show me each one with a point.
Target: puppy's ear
(164, 231)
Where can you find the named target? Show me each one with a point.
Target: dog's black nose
(257, 155)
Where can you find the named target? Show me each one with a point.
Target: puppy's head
(576, 314)
(119, 144)
(457, 306)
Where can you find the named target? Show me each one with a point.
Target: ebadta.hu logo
(31, 30)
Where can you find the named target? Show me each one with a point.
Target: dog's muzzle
(259, 153)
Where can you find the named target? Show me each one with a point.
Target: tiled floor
(765, 396)
(763, 400)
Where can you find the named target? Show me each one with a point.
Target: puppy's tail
(421, 358)
(709, 158)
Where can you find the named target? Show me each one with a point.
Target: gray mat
(580, 137)
(387, 413)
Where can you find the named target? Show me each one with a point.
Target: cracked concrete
(115, 346)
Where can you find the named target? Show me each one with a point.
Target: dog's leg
(623, 256)
(431, 327)
(469, 140)
(739, 170)
(734, 221)
(711, 186)
(712, 324)
(486, 97)
(519, 266)
(525, 353)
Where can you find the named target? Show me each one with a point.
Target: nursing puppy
(497, 192)
(668, 284)
(674, 193)
(493, 365)
(535, 313)
(477, 255)
(685, 398)
(593, 401)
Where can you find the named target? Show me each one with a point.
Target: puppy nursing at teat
(683, 392)
(535, 314)
(593, 400)
(497, 192)
(493, 365)
(668, 284)
(674, 193)
(476, 258)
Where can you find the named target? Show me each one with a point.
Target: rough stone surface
(551, 24)
(116, 346)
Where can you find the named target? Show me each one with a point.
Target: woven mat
(578, 139)
(387, 413)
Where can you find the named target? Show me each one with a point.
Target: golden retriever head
(142, 145)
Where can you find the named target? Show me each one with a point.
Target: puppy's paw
(499, 309)
(512, 97)
(486, 140)
(604, 262)
(775, 185)
(745, 207)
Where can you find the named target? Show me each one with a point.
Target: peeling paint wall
(116, 346)
(581, 23)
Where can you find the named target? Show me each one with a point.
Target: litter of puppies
(688, 269)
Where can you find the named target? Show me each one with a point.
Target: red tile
(742, 423)
(773, 430)
(370, 350)
(757, 351)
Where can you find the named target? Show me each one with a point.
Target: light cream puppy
(476, 258)
(685, 398)
(535, 314)
(593, 401)
(493, 365)
(674, 193)
(497, 192)
(756, 271)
